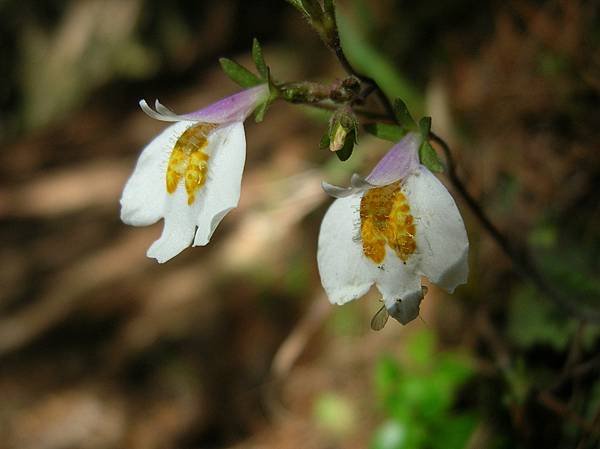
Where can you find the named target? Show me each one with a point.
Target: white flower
(389, 229)
(190, 174)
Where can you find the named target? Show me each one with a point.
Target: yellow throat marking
(385, 218)
(189, 161)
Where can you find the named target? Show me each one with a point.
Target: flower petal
(345, 273)
(143, 199)
(400, 286)
(336, 191)
(442, 241)
(235, 108)
(358, 184)
(399, 161)
(227, 150)
(178, 230)
(158, 115)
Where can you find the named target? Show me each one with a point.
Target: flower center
(385, 218)
(189, 161)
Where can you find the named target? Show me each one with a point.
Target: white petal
(346, 274)
(221, 193)
(442, 243)
(179, 227)
(164, 115)
(400, 286)
(143, 199)
(336, 191)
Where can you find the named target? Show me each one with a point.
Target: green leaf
(239, 74)
(454, 433)
(391, 133)
(425, 126)
(259, 60)
(429, 158)
(403, 115)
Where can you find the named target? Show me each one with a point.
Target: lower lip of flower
(189, 161)
(385, 219)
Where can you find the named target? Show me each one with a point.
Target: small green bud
(342, 133)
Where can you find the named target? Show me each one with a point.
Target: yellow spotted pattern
(385, 219)
(189, 161)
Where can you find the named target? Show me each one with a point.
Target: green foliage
(569, 263)
(259, 114)
(335, 413)
(429, 157)
(425, 126)
(259, 60)
(418, 396)
(239, 74)
(391, 133)
(533, 320)
(544, 237)
(245, 78)
(403, 116)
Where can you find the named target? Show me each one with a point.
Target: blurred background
(235, 344)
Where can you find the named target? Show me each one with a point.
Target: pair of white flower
(388, 229)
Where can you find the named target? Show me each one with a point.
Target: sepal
(403, 116)
(239, 74)
(273, 95)
(429, 157)
(259, 60)
(391, 133)
(425, 127)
